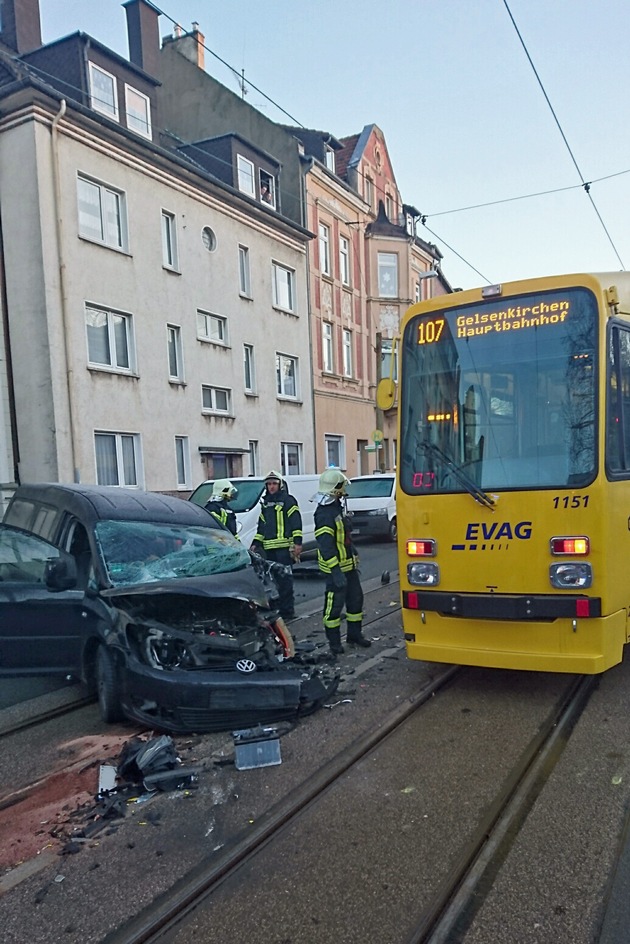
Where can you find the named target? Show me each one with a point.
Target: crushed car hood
(237, 585)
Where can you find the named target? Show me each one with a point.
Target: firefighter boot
(355, 637)
(334, 641)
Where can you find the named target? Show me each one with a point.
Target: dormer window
(329, 158)
(103, 93)
(245, 170)
(267, 189)
(138, 111)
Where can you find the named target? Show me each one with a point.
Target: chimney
(143, 34)
(190, 45)
(20, 26)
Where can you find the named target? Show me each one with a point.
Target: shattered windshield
(145, 552)
(500, 394)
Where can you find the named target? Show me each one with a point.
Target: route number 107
(429, 332)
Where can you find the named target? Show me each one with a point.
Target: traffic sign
(377, 436)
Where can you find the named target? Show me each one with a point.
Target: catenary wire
(586, 186)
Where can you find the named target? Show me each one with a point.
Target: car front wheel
(393, 530)
(108, 687)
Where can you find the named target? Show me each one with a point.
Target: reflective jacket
(332, 531)
(280, 521)
(219, 509)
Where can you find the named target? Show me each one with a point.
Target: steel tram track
(462, 893)
(58, 712)
(457, 900)
(166, 912)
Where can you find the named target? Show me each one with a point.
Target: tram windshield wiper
(458, 473)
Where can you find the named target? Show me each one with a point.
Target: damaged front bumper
(221, 699)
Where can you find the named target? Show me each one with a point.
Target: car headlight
(378, 511)
(158, 649)
(423, 574)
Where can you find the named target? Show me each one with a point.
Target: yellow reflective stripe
(354, 617)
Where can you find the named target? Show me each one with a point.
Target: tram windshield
(500, 395)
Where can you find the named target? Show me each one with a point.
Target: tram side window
(618, 408)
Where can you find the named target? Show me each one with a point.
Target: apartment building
(367, 265)
(154, 290)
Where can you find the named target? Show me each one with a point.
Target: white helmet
(333, 482)
(223, 488)
(274, 476)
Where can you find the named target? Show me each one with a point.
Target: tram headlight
(423, 574)
(570, 575)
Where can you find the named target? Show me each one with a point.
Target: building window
(417, 291)
(169, 241)
(389, 206)
(244, 277)
(328, 362)
(388, 275)
(109, 339)
(344, 260)
(286, 376)
(209, 239)
(347, 352)
(175, 362)
(138, 111)
(117, 458)
(283, 287)
(335, 451)
(267, 185)
(212, 328)
(216, 400)
(249, 374)
(329, 158)
(368, 192)
(245, 170)
(291, 458)
(102, 213)
(253, 457)
(182, 461)
(389, 364)
(324, 249)
(103, 92)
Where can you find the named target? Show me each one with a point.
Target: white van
(372, 502)
(246, 505)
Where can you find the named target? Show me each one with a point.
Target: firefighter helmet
(333, 482)
(223, 488)
(273, 477)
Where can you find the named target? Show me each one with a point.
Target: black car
(152, 603)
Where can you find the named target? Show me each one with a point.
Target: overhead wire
(585, 184)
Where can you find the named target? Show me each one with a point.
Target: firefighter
(279, 536)
(337, 558)
(223, 492)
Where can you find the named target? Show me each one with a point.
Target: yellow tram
(513, 500)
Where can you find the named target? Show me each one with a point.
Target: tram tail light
(421, 547)
(575, 546)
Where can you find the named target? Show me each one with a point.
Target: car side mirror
(61, 574)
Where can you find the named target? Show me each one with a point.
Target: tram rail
(455, 900)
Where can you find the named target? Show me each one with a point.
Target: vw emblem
(246, 665)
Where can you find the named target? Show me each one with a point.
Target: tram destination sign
(484, 322)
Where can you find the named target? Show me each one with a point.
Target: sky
(472, 138)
